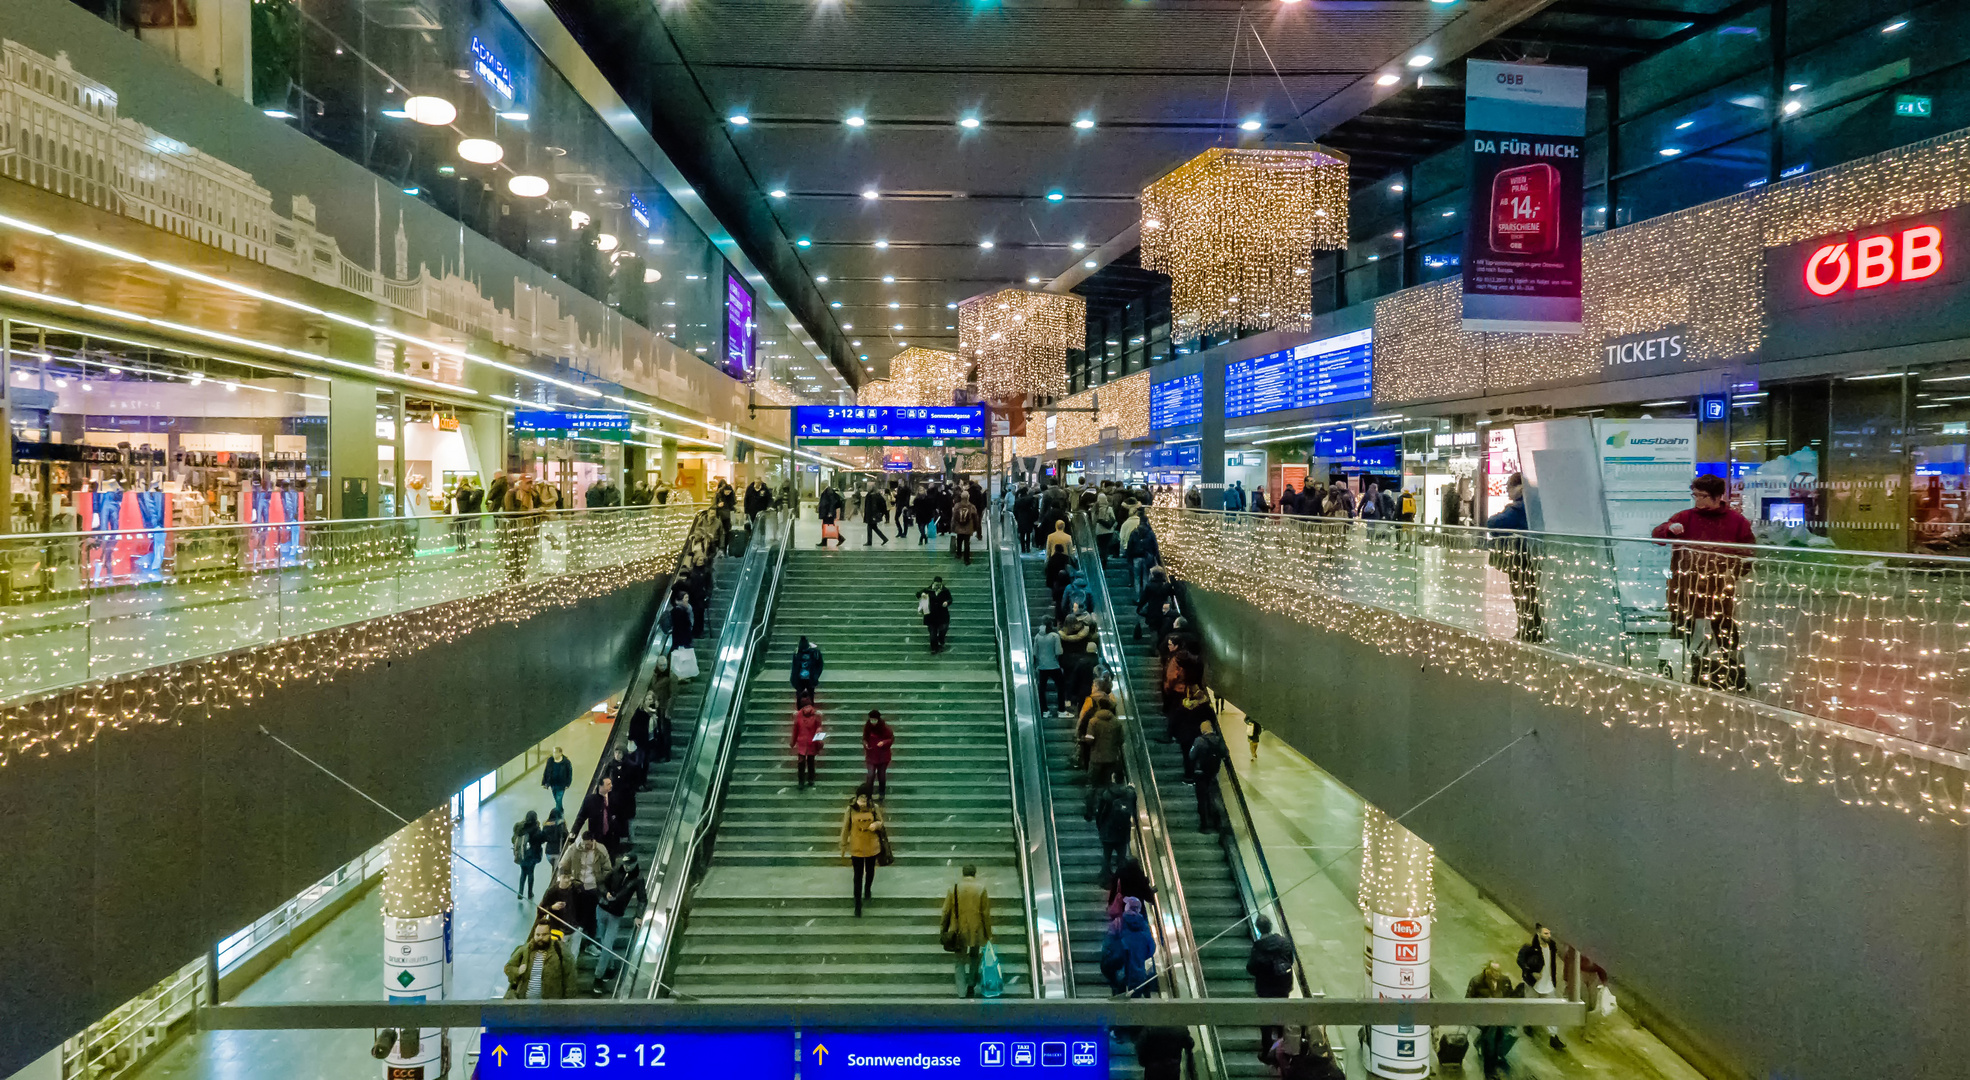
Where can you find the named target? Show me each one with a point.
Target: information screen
(949, 1055)
(618, 1055)
(850, 424)
(601, 425)
(1178, 401)
(1317, 373)
(740, 334)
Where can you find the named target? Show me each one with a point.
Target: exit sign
(1913, 105)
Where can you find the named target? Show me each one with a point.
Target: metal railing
(1876, 642)
(119, 1043)
(77, 607)
(1051, 961)
(689, 827)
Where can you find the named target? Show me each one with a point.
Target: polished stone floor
(344, 960)
(1310, 827)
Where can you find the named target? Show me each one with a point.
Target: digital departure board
(1178, 401)
(851, 424)
(1317, 373)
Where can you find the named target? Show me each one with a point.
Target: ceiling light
(515, 116)
(396, 114)
(895, 304)
(1796, 86)
(651, 277)
(606, 242)
(854, 120)
(902, 343)
(1249, 125)
(526, 186)
(577, 220)
(968, 122)
(856, 343)
(1792, 107)
(1032, 279)
(657, 240)
(822, 278)
(882, 245)
(986, 244)
(951, 306)
(435, 111)
(870, 193)
(1894, 26)
(1421, 60)
(1450, 213)
(896, 326)
(1055, 196)
(1669, 151)
(803, 242)
(834, 303)
(889, 279)
(1089, 264)
(1084, 124)
(1079, 245)
(1396, 188)
(739, 119)
(481, 151)
(848, 326)
(1388, 78)
(1685, 125)
(778, 193)
(278, 114)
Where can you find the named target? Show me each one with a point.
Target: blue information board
(618, 1055)
(1334, 443)
(1177, 401)
(572, 421)
(1180, 456)
(885, 423)
(951, 1055)
(1317, 373)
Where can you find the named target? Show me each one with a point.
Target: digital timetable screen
(884, 423)
(1175, 402)
(1317, 373)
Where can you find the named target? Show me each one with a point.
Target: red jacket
(1702, 580)
(807, 725)
(876, 742)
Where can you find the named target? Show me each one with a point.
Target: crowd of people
(934, 508)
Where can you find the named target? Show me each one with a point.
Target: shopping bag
(684, 664)
(830, 531)
(991, 980)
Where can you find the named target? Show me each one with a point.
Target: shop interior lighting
(527, 185)
(481, 151)
(1867, 378)
(429, 110)
(1388, 78)
(513, 115)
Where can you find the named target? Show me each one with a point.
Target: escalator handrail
(1185, 976)
(1260, 896)
(669, 878)
(1032, 802)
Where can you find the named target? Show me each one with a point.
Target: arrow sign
(821, 1055)
(499, 1055)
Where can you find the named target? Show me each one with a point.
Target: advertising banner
(1524, 126)
(741, 359)
(1646, 468)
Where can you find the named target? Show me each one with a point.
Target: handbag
(947, 932)
(684, 664)
(885, 855)
(830, 531)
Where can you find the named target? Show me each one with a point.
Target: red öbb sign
(1863, 263)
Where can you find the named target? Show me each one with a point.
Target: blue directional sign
(952, 1055)
(618, 1055)
(597, 423)
(845, 425)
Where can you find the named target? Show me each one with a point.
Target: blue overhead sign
(1178, 401)
(1317, 373)
(889, 424)
(572, 422)
(950, 1055)
(601, 1055)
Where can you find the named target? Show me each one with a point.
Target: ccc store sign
(1867, 262)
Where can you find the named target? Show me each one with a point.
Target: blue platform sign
(952, 1055)
(618, 1055)
(934, 425)
(594, 423)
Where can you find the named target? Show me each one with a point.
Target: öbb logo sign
(1911, 255)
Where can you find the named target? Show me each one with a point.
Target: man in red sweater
(1703, 580)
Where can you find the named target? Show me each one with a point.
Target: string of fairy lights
(1700, 268)
(417, 882)
(1236, 229)
(538, 566)
(1019, 339)
(1123, 407)
(917, 377)
(1858, 670)
(1397, 868)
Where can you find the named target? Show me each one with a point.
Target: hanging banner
(1524, 125)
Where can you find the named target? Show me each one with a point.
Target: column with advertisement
(1525, 125)
(1646, 468)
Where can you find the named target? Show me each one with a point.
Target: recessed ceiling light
(1032, 279)
(896, 326)
(1685, 125)
(871, 193)
(1669, 151)
(481, 151)
(902, 343)
(1397, 188)
(953, 306)
(848, 326)
(1084, 123)
(895, 304)
(778, 193)
(822, 278)
(434, 111)
(986, 244)
(803, 242)
(834, 303)
(527, 187)
(1894, 26)
(1249, 125)
(1792, 106)
(1421, 60)
(1055, 196)
(968, 122)
(739, 119)
(857, 344)
(1388, 78)
(514, 116)
(889, 279)
(278, 114)
(882, 245)
(854, 120)
(1079, 245)
(1089, 264)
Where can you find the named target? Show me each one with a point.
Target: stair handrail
(1048, 956)
(1185, 976)
(707, 766)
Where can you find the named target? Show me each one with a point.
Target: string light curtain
(417, 883)
(1396, 865)
(1019, 339)
(1236, 230)
(917, 377)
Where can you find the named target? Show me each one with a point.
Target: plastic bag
(684, 664)
(991, 980)
(1604, 1002)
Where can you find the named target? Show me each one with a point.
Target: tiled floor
(344, 960)
(1310, 826)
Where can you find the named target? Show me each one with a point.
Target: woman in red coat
(806, 743)
(877, 738)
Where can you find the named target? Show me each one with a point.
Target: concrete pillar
(1211, 452)
(670, 461)
(1398, 901)
(417, 943)
(352, 448)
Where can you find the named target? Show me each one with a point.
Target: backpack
(806, 666)
(1117, 816)
(519, 846)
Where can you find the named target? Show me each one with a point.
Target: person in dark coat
(560, 906)
(1271, 967)
(829, 509)
(1513, 552)
(935, 604)
(623, 898)
(627, 771)
(758, 501)
(1207, 756)
(526, 852)
(1130, 880)
(878, 740)
(1114, 820)
(1703, 581)
(807, 662)
(697, 583)
(1496, 1041)
(598, 812)
(1128, 952)
(1186, 723)
(874, 513)
(679, 621)
(1160, 1050)
(557, 776)
(924, 509)
(553, 837)
(1026, 515)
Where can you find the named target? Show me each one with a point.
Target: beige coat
(861, 832)
(968, 914)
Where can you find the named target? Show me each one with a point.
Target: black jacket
(1207, 755)
(874, 508)
(1159, 1050)
(814, 664)
(597, 815)
(565, 919)
(558, 774)
(1271, 966)
(1532, 962)
(623, 887)
(829, 507)
(940, 605)
(677, 620)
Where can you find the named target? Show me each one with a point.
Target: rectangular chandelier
(1019, 340)
(917, 376)
(1236, 229)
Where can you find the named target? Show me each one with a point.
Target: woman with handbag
(806, 742)
(863, 842)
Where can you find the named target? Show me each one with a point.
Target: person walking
(1493, 1041)
(1128, 952)
(557, 776)
(553, 837)
(538, 970)
(1512, 552)
(587, 865)
(1207, 756)
(807, 663)
(1703, 580)
(526, 852)
(1160, 1050)
(877, 740)
(862, 827)
(806, 743)
(1270, 965)
(934, 604)
(828, 507)
(965, 524)
(1539, 964)
(874, 513)
(623, 899)
(1114, 821)
(1026, 516)
(967, 927)
(1046, 668)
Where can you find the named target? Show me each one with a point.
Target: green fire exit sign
(1913, 105)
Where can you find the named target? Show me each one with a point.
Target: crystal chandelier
(1019, 339)
(917, 376)
(1236, 230)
